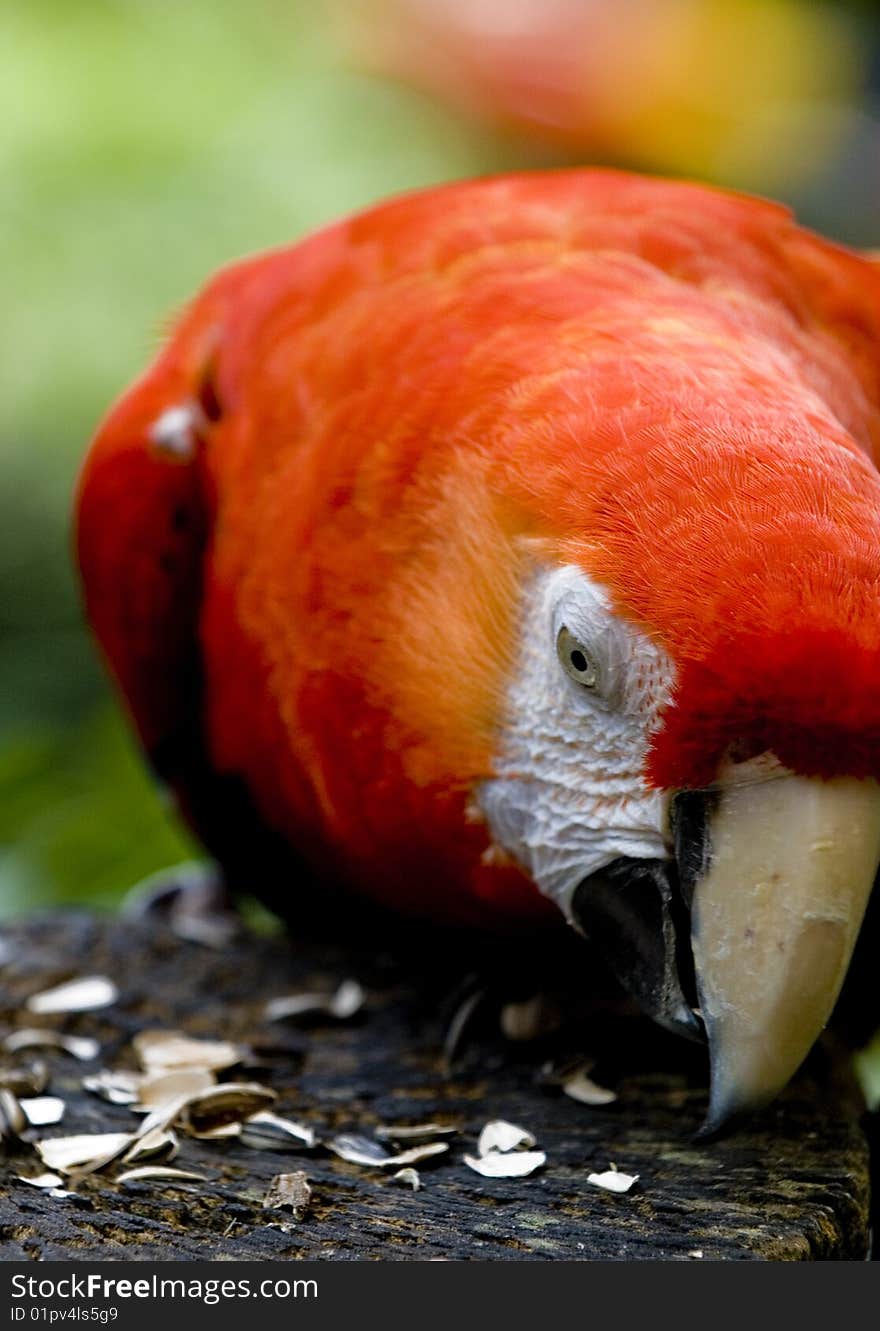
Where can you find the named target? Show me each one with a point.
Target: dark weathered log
(792, 1185)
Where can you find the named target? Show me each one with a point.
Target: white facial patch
(569, 796)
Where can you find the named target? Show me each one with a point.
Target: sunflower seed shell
(80, 1152)
(144, 1173)
(87, 994)
(289, 1192)
(579, 1086)
(509, 1164)
(500, 1136)
(43, 1110)
(81, 1047)
(408, 1178)
(344, 1003)
(166, 1051)
(230, 1102)
(613, 1180)
(269, 1132)
(414, 1132)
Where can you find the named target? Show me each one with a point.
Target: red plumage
(676, 388)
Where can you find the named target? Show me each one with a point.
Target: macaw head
(692, 731)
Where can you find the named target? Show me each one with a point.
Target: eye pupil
(576, 659)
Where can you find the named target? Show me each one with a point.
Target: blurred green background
(145, 142)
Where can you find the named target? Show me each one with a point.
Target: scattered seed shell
(530, 1020)
(408, 1178)
(414, 1132)
(30, 1079)
(119, 1088)
(159, 1142)
(12, 1117)
(581, 1087)
(145, 1172)
(170, 1050)
(79, 1046)
(417, 1153)
(269, 1132)
(501, 1136)
(341, 1005)
(459, 1023)
(507, 1164)
(43, 1110)
(41, 1180)
(82, 1151)
(613, 1180)
(161, 1117)
(82, 995)
(215, 1134)
(160, 1088)
(360, 1150)
(230, 1102)
(289, 1192)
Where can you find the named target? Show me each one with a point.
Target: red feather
(673, 386)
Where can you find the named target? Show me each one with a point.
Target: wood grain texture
(792, 1185)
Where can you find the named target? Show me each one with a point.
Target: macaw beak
(777, 874)
(788, 867)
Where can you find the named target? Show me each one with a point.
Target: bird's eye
(576, 660)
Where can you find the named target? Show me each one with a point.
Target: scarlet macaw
(513, 548)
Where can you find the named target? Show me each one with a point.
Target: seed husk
(43, 1110)
(41, 1180)
(530, 1020)
(161, 1088)
(118, 1088)
(220, 1132)
(417, 1153)
(341, 1005)
(581, 1087)
(87, 994)
(160, 1142)
(81, 1047)
(360, 1150)
(30, 1079)
(500, 1136)
(413, 1132)
(289, 1192)
(12, 1117)
(266, 1131)
(613, 1180)
(408, 1178)
(507, 1164)
(460, 1021)
(81, 1152)
(144, 1173)
(161, 1117)
(230, 1102)
(167, 1051)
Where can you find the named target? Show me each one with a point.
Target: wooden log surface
(793, 1184)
